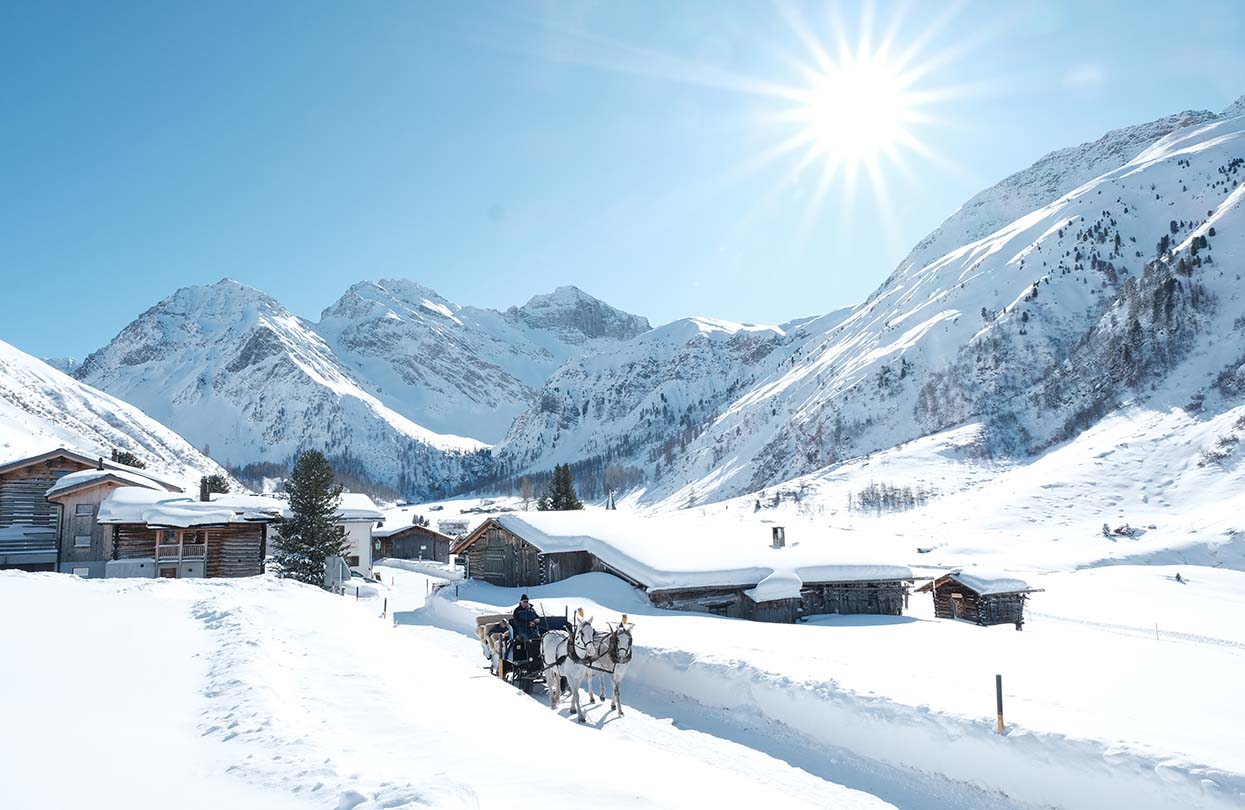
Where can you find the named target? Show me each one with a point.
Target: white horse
(610, 655)
(564, 655)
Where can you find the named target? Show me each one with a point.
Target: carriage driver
(525, 619)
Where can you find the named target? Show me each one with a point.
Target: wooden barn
(150, 535)
(530, 550)
(40, 532)
(505, 551)
(411, 542)
(984, 599)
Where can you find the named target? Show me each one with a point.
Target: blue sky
(493, 151)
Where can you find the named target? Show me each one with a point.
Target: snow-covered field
(260, 693)
(257, 692)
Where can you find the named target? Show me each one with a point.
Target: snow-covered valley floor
(256, 692)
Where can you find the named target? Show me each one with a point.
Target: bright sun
(860, 106)
(856, 111)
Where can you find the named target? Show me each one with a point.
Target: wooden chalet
(216, 536)
(48, 505)
(412, 542)
(508, 552)
(983, 599)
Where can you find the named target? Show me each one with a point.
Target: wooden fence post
(998, 694)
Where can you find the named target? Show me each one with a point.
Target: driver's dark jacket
(525, 616)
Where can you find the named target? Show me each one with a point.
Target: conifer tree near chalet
(311, 534)
(561, 496)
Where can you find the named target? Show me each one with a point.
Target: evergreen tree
(128, 459)
(215, 483)
(311, 534)
(561, 495)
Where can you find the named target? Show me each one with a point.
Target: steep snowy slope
(236, 373)
(1041, 305)
(42, 408)
(1038, 329)
(640, 404)
(458, 369)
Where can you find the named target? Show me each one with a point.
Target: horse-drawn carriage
(557, 647)
(515, 657)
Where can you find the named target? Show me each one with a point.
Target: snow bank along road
(1097, 718)
(260, 693)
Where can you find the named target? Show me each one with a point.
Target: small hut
(979, 597)
(413, 542)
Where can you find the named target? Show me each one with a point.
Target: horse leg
(551, 685)
(592, 699)
(617, 696)
(579, 710)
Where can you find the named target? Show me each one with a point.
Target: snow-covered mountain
(460, 369)
(231, 369)
(235, 372)
(42, 408)
(1047, 301)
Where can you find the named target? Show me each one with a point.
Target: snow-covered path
(258, 693)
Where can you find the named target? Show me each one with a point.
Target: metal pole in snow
(1156, 631)
(998, 694)
(384, 611)
(356, 593)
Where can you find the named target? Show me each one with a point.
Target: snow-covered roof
(987, 582)
(106, 463)
(681, 551)
(141, 505)
(84, 478)
(984, 582)
(357, 507)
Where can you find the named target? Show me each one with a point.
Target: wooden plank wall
(236, 550)
(504, 559)
(22, 492)
(884, 598)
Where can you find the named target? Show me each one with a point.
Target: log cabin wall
(779, 611)
(881, 598)
(416, 543)
(502, 558)
(724, 601)
(236, 550)
(23, 491)
(566, 564)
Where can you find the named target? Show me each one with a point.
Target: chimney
(780, 537)
(204, 495)
(99, 465)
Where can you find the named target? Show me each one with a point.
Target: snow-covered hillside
(464, 370)
(246, 380)
(641, 403)
(1103, 269)
(42, 408)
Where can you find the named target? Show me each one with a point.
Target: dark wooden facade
(23, 487)
(499, 556)
(230, 550)
(880, 597)
(955, 600)
(416, 543)
(496, 555)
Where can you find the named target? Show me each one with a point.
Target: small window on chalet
(82, 541)
(82, 572)
(86, 509)
(352, 560)
(718, 608)
(166, 537)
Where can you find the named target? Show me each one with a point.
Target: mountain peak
(569, 309)
(1235, 108)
